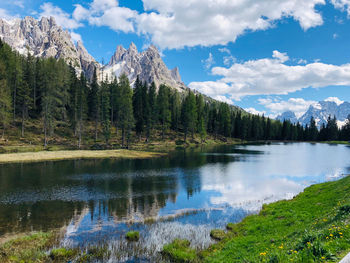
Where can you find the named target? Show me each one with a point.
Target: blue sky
(266, 56)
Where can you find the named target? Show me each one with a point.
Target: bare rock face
(148, 65)
(45, 39)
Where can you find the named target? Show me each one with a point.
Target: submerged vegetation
(312, 227)
(132, 236)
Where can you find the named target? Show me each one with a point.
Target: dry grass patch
(69, 155)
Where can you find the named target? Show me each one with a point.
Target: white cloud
(76, 37)
(254, 111)
(225, 50)
(229, 59)
(223, 99)
(176, 24)
(5, 15)
(271, 76)
(335, 99)
(62, 18)
(343, 5)
(282, 57)
(107, 13)
(19, 3)
(335, 36)
(297, 105)
(209, 61)
(302, 61)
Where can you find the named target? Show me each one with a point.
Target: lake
(183, 195)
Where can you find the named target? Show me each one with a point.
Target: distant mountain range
(320, 111)
(44, 38)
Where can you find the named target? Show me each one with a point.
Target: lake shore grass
(312, 227)
(75, 154)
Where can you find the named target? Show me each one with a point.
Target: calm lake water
(183, 195)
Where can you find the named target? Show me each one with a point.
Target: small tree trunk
(22, 133)
(79, 140)
(123, 137)
(96, 124)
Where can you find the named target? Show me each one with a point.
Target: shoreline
(42, 156)
(314, 226)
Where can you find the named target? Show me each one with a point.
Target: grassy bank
(312, 227)
(337, 142)
(76, 154)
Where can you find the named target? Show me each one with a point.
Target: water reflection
(186, 193)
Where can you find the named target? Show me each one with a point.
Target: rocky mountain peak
(320, 112)
(148, 65)
(176, 74)
(132, 48)
(44, 38)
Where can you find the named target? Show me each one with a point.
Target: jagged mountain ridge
(320, 112)
(44, 38)
(148, 65)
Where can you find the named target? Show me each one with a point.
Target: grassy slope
(312, 227)
(64, 139)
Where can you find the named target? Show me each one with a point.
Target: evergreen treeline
(49, 90)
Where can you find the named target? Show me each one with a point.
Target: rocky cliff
(44, 38)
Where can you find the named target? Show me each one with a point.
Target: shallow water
(183, 195)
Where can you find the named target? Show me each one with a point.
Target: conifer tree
(5, 100)
(105, 110)
(164, 113)
(189, 114)
(94, 107)
(126, 117)
(138, 107)
(153, 110)
(81, 106)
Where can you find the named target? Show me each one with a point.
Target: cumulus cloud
(298, 105)
(343, 5)
(254, 111)
(176, 24)
(272, 76)
(335, 99)
(107, 13)
(5, 15)
(182, 23)
(209, 61)
(62, 18)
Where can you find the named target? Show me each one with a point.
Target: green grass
(29, 248)
(132, 236)
(179, 251)
(217, 234)
(337, 142)
(312, 227)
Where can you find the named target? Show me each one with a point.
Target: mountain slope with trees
(44, 97)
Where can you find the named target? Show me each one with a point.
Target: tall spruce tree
(189, 114)
(164, 112)
(153, 109)
(138, 107)
(126, 116)
(104, 95)
(94, 106)
(5, 100)
(81, 106)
